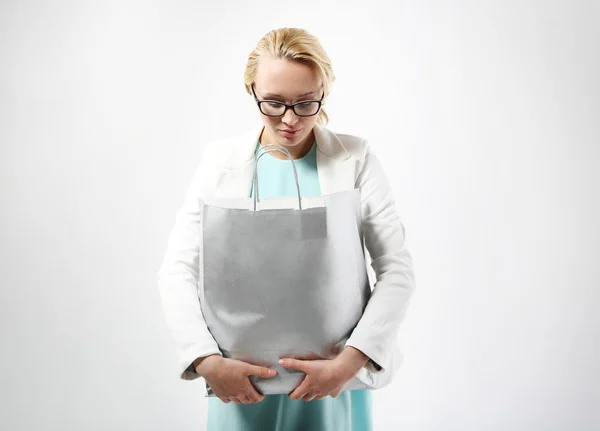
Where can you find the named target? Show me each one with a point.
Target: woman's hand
(325, 377)
(229, 378)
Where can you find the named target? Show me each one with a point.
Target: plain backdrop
(485, 116)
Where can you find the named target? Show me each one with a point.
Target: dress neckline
(308, 154)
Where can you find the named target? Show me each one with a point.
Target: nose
(290, 117)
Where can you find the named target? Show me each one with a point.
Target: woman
(289, 75)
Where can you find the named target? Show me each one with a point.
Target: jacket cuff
(373, 366)
(377, 357)
(186, 364)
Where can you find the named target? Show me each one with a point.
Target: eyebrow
(269, 95)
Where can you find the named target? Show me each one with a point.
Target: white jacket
(343, 162)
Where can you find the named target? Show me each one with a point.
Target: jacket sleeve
(384, 234)
(178, 282)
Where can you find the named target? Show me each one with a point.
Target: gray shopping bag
(282, 277)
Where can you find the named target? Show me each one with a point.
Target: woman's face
(289, 82)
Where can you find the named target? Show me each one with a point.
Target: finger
(251, 392)
(311, 356)
(300, 391)
(225, 400)
(255, 370)
(295, 364)
(235, 400)
(244, 399)
(336, 394)
(296, 395)
(259, 398)
(253, 395)
(321, 397)
(309, 397)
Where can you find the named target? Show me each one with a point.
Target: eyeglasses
(273, 108)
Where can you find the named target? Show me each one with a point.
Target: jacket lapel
(336, 168)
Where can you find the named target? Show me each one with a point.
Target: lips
(289, 134)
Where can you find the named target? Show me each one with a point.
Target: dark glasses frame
(292, 106)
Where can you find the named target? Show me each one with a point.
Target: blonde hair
(293, 44)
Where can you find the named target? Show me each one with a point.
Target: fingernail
(282, 362)
(272, 372)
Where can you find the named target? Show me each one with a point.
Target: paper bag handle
(280, 149)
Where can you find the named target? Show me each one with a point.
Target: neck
(297, 151)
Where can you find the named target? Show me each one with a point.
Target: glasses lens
(272, 108)
(307, 108)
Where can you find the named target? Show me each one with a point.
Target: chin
(289, 142)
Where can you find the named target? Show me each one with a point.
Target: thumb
(296, 364)
(255, 370)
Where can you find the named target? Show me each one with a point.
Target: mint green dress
(351, 410)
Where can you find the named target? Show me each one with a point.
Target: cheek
(308, 125)
(270, 121)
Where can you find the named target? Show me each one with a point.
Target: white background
(484, 114)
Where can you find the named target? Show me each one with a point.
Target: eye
(274, 104)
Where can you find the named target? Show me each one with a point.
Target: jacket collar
(335, 171)
(328, 144)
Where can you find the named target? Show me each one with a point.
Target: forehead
(286, 78)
